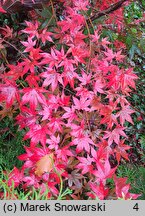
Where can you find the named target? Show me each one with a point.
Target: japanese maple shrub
(68, 91)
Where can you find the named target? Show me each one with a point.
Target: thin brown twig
(112, 8)
(14, 47)
(53, 10)
(137, 110)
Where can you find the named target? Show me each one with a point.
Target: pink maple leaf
(55, 124)
(53, 142)
(104, 171)
(83, 142)
(95, 37)
(84, 78)
(114, 135)
(81, 4)
(110, 55)
(51, 78)
(29, 45)
(81, 104)
(85, 164)
(124, 115)
(127, 79)
(46, 112)
(10, 94)
(98, 86)
(118, 56)
(64, 153)
(69, 114)
(46, 36)
(15, 177)
(33, 96)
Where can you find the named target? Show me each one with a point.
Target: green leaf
(134, 49)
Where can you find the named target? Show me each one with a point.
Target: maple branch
(137, 110)
(13, 47)
(141, 4)
(112, 8)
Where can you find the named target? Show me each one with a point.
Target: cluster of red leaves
(72, 102)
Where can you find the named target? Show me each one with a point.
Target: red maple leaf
(15, 177)
(109, 117)
(27, 117)
(122, 189)
(7, 32)
(33, 80)
(45, 36)
(79, 54)
(120, 151)
(99, 191)
(31, 29)
(15, 71)
(2, 10)
(32, 62)
(37, 134)
(100, 155)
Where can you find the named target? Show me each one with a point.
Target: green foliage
(133, 11)
(13, 20)
(136, 177)
(19, 194)
(142, 142)
(135, 32)
(11, 144)
(135, 41)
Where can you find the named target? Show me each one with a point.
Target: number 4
(136, 207)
